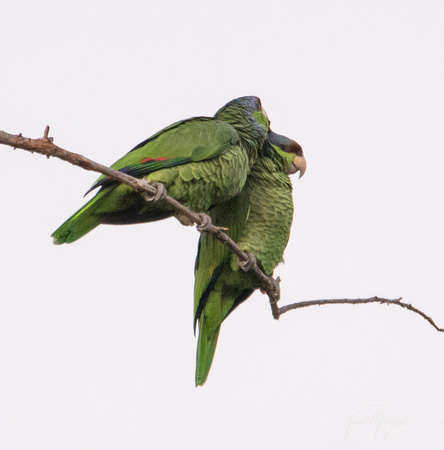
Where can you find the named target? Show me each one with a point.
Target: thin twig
(358, 301)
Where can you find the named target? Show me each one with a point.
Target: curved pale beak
(298, 164)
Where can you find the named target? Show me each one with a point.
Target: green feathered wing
(200, 161)
(210, 269)
(259, 220)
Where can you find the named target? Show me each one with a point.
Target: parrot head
(289, 150)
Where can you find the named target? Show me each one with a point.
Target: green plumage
(259, 220)
(231, 166)
(203, 162)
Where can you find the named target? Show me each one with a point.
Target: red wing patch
(162, 158)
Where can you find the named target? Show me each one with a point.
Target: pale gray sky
(96, 342)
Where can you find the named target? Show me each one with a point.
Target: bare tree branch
(358, 301)
(151, 192)
(45, 146)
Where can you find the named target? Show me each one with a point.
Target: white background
(96, 343)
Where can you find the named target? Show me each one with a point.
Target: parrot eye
(295, 148)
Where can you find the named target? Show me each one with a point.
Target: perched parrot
(259, 219)
(202, 162)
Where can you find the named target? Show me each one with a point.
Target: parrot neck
(251, 133)
(274, 170)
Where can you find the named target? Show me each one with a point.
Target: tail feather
(79, 224)
(206, 347)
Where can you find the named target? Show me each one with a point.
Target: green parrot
(202, 162)
(259, 219)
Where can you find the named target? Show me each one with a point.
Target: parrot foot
(205, 223)
(160, 193)
(248, 263)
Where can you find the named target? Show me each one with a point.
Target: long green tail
(79, 224)
(206, 346)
